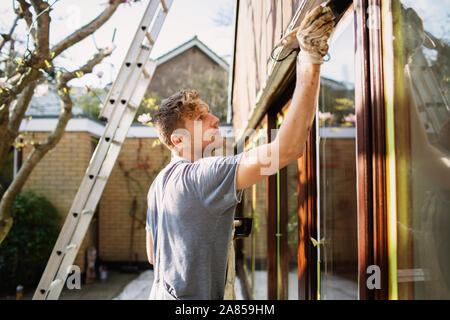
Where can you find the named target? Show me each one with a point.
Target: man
(192, 200)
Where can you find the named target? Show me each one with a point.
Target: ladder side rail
(153, 34)
(159, 20)
(130, 58)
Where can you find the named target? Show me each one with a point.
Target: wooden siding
(258, 30)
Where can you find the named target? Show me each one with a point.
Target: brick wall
(138, 163)
(339, 201)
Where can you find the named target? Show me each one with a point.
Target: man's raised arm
(289, 143)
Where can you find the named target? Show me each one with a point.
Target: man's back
(190, 217)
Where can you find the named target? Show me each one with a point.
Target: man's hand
(313, 34)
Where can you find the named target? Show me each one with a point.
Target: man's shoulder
(219, 160)
(162, 176)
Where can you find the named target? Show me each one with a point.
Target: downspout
(231, 79)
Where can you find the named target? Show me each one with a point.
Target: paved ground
(139, 289)
(118, 286)
(127, 286)
(107, 290)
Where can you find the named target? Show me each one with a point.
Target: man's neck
(182, 155)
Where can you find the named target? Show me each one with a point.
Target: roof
(194, 42)
(96, 128)
(49, 105)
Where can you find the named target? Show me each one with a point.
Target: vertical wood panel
(378, 150)
(271, 213)
(364, 150)
(371, 148)
(307, 217)
(284, 248)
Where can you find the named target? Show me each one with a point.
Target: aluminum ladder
(118, 112)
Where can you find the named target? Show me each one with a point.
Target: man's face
(204, 131)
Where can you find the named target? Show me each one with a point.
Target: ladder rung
(71, 246)
(116, 142)
(55, 283)
(145, 72)
(163, 3)
(87, 211)
(102, 177)
(149, 37)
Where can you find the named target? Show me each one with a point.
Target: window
(419, 144)
(254, 248)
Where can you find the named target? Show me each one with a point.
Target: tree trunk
(39, 151)
(13, 124)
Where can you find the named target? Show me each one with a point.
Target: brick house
(193, 65)
(117, 230)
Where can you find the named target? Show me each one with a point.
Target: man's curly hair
(173, 112)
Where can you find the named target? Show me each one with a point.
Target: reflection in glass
(246, 250)
(337, 206)
(422, 146)
(292, 229)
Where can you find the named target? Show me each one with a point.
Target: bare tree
(19, 80)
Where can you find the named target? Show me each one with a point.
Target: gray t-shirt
(196, 202)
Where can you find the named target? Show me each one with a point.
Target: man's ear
(176, 139)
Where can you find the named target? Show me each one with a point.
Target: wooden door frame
(371, 148)
(307, 217)
(271, 214)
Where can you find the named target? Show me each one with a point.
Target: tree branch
(31, 69)
(7, 37)
(32, 66)
(25, 13)
(42, 10)
(29, 72)
(18, 112)
(87, 29)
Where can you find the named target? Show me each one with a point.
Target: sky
(186, 18)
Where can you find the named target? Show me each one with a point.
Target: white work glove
(313, 34)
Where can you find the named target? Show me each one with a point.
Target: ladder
(119, 110)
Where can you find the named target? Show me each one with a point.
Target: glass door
(337, 241)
